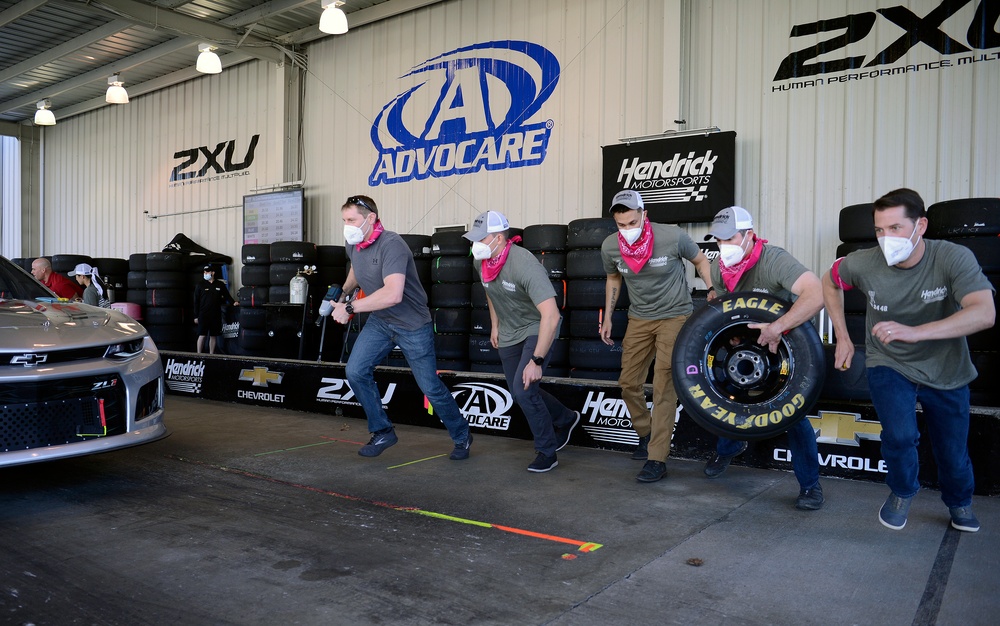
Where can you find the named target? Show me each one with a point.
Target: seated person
(63, 287)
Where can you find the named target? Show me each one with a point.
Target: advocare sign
(680, 179)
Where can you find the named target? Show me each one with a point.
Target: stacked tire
(975, 224)
(169, 302)
(114, 273)
(135, 282)
(331, 262)
(547, 242)
(585, 298)
(452, 278)
(255, 278)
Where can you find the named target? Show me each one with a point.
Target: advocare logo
(917, 31)
(481, 98)
(484, 405)
(189, 172)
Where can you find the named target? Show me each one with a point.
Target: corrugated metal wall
(806, 151)
(104, 169)
(10, 196)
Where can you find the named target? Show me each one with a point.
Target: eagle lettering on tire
(735, 388)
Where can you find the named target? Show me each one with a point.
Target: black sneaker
(641, 451)
(718, 464)
(543, 463)
(461, 451)
(652, 471)
(810, 499)
(562, 434)
(893, 513)
(378, 443)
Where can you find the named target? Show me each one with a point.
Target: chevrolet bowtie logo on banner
(261, 376)
(682, 179)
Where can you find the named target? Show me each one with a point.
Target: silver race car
(74, 379)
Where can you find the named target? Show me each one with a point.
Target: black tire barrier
(966, 217)
(989, 339)
(594, 354)
(161, 279)
(454, 365)
(857, 223)
(735, 388)
(168, 297)
(252, 296)
(451, 269)
(589, 232)
(165, 261)
(545, 237)
(170, 336)
(112, 266)
(137, 262)
(452, 347)
(335, 256)
(478, 296)
(578, 372)
(984, 388)
(559, 286)
(450, 243)
(420, 246)
(589, 294)
(256, 254)
(985, 249)
(480, 350)
(23, 263)
(480, 322)
(64, 263)
(488, 368)
(452, 295)
(278, 293)
(282, 273)
(850, 384)
(585, 264)
(136, 296)
(253, 341)
(253, 317)
(301, 252)
(846, 248)
(117, 282)
(553, 262)
(855, 301)
(560, 353)
(167, 315)
(450, 321)
(856, 327)
(423, 271)
(256, 275)
(136, 279)
(330, 275)
(586, 323)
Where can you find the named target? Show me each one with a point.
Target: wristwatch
(537, 360)
(349, 308)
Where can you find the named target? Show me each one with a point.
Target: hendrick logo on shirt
(509, 286)
(934, 295)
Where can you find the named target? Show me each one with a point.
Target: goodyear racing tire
(965, 217)
(735, 388)
(857, 223)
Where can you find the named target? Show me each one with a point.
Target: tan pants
(645, 340)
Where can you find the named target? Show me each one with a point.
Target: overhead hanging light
(333, 20)
(208, 60)
(44, 117)
(116, 92)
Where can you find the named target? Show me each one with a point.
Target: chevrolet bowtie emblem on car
(261, 376)
(846, 429)
(29, 360)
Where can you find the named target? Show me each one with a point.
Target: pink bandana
(635, 255)
(732, 275)
(376, 231)
(491, 267)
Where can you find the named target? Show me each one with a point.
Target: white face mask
(729, 254)
(207, 276)
(631, 235)
(353, 235)
(897, 249)
(481, 251)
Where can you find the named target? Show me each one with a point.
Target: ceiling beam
(64, 49)
(19, 10)
(156, 18)
(264, 11)
(374, 13)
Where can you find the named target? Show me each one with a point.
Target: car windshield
(15, 283)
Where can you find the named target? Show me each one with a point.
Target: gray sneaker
(893, 512)
(962, 518)
(810, 499)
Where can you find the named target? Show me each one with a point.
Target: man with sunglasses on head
(382, 265)
(924, 297)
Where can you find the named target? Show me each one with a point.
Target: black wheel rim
(743, 371)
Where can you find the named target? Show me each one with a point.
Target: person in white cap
(924, 297)
(382, 265)
(747, 264)
(650, 259)
(525, 322)
(94, 292)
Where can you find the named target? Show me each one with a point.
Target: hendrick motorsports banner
(681, 179)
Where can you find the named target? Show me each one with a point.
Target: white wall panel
(104, 169)
(803, 153)
(619, 78)
(10, 197)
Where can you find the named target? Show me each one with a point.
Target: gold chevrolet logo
(261, 376)
(846, 429)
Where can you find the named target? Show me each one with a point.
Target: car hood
(38, 324)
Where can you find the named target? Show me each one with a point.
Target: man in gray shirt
(382, 265)
(924, 298)
(525, 322)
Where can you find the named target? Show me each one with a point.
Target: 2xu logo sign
(981, 35)
(192, 156)
(338, 391)
(468, 111)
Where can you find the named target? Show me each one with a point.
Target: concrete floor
(246, 515)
